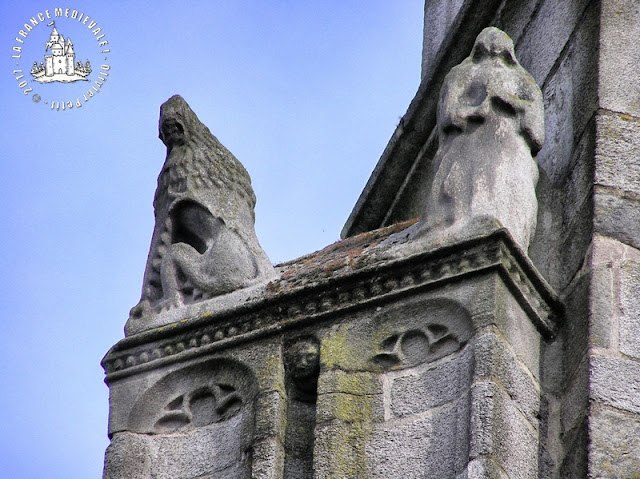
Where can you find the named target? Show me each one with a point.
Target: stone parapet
(428, 361)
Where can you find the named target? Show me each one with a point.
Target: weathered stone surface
(491, 126)
(128, 456)
(614, 295)
(359, 384)
(521, 334)
(204, 243)
(206, 451)
(390, 340)
(570, 102)
(616, 382)
(425, 388)
(302, 364)
(547, 34)
(575, 463)
(431, 445)
(618, 216)
(576, 331)
(271, 421)
(340, 447)
(268, 459)
(196, 421)
(196, 396)
(413, 333)
(619, 85)
(574, 242)
(575, 402)
(514, 17)
(439, 17)
(481, 468)
(618, 152)
(346, 395)
(494, 360)
(615, 445)
(189, 455)
(630, 308)
(496, 425)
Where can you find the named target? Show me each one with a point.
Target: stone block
(496, 426)
(483, 468)
(575, 463)
(575, 335)
(339, 450)
(616, 382)
(629, 323)
(349, 408)
(439, 17)
(423, 388)
(518, 329)
(124, 394)
(575, 400)
(576, 236)
(515, 16)
(194, 454)
(543, 250)
(359, 384)
(614, 450)
(494, 360)
(577, 186)
(270, 415)
(618, 216)
(548, 32)
(618, 151)
(128, 456)
(436, 442)
(602, 305)
(400, 335)
(265, 358)
(552, 376)
(570, 99)
(268, 459)
(619, 67)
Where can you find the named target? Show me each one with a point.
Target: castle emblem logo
(53, 70)
(60, 64)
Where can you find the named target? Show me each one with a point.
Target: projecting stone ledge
(352, 273)
(384, 357)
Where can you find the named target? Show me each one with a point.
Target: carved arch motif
(199, 395)
(422, 333)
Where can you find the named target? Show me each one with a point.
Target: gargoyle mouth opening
(193, 224)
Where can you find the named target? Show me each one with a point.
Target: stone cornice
(378, 282)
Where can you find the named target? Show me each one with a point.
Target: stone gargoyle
(204, 243)
(491, 126)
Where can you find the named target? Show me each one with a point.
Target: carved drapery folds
(490, 126)
(204, 243)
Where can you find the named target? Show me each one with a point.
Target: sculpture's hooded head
(179, 124)
(494, 43)
(200, 164)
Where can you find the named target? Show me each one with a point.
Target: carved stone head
(302, 361)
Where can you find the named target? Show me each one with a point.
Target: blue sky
(305, 94)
